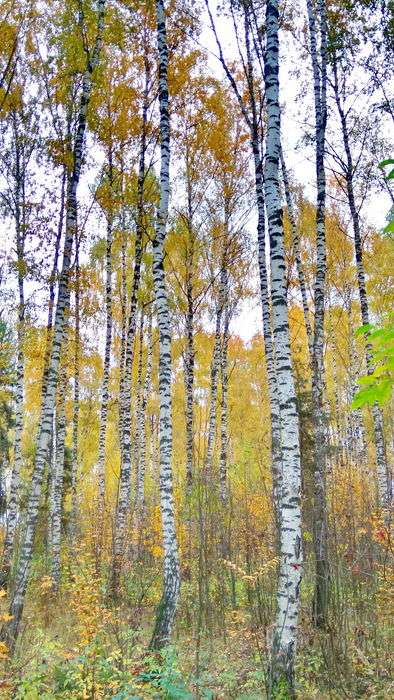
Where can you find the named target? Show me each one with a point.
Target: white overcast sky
(300, 159)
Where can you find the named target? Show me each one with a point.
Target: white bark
(171, 572)
(288, 598)
(252, 120)
(20, 228)
(297, 253)
(257, 148)
(55, 512)
(124, 490)
(105, 384)
(320, 522)
(75, 432)
(138, 396)
(11, 628)
(189, 327)
(224, 409)
(383, 476)
(123, 305)
(357, 441)
(215, 368)
(140, 489)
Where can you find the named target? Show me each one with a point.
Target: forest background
(196, 359)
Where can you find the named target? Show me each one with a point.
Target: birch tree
(107, 361)
(290, 573)
(16, 200)
(124, 489)
(10, 629)
(350, 170)
(76, 406)
(141, 422)
(319, 69)
(189, 357)
(171, 573)
(297, 253)
(223, 477)
(252, 116)
(215, 369)
(55, 508)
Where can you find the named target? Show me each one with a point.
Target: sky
(300, 159)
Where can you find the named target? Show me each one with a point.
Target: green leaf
(388, 161)
(362, 381)
(364, 329)
(363, 397)
(390, 227)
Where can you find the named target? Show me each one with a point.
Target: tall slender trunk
(52, 282)
(105, 384)
(224, 409)
(171, 573)
(10, 629)
(55, 512)
(337, 412)
(20, 229)
(383, 477)
(358, 444)
(215, 369)
(320, 523)
(49, 331)
(189, 351)
(297, 253)
(123, 306)
(257, 148)
(189, 386)
(75, 430)
(138, 395)
(252, 120)
(140, 489)
(288, 597)
(124, 491)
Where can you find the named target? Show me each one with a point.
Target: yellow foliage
(91, 615)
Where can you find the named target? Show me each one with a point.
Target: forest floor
(76, 647)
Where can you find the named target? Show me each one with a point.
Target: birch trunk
(105, 384)
(123, 304)
(20, 229)
(124, 490)
(319, 69)
(74, 456)
(138, 396)
(189, 387)
(358, 443)
(51, 480)
(253, 123)
(224, 410)
(215, 368)
(52, 282)
(336, 433)
(290, 574)
(189, 351)
(383, 476)
(276, 449)
(140, 490)
(10, 629)
(171, 573)
(57, 483)
(297, 253)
